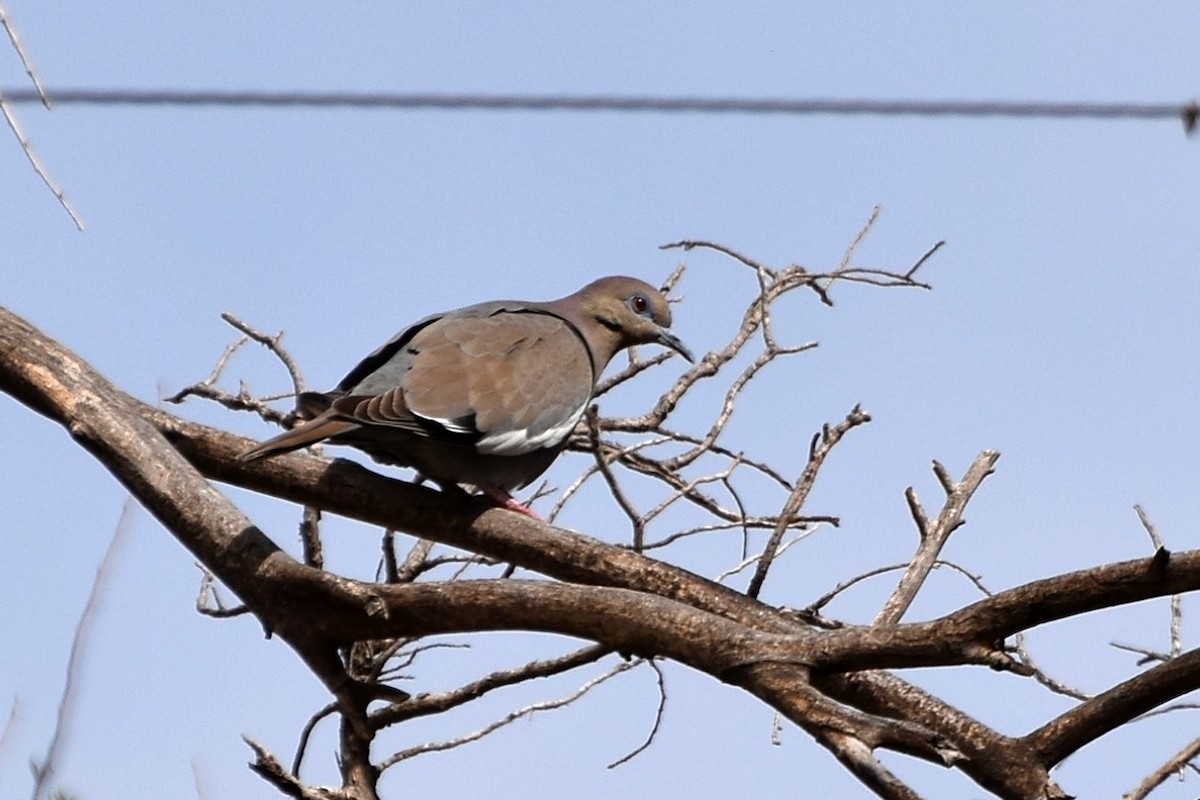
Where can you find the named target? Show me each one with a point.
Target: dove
(486, 395)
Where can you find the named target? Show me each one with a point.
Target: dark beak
(668, 339)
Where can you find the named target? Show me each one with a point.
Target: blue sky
(1062, 331)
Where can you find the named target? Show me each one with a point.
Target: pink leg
(506, 500)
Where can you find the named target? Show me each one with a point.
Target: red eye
(639, 304)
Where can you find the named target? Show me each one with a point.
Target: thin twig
(1176, 625)
(216, 608)
(1149, 527)
(274, 343)
(1039, 675)
(1172, 766)
(690, 488)
(830, 436)
(243, 400)
(521, 713)
(26, 61)
(658, 718)
(848, 255)
(406, 658)
(1169, 709)
(815, 606)
(921, 261)
(36, 162)
(757, 558)
(11, 118)
(636, 519)
(306, 732)
(745, 526)
(207, 389)
(1147, 656)
(426, 704)
(933, 537)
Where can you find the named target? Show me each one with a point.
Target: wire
(1187, 112)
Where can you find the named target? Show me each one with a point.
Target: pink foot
(506, 500)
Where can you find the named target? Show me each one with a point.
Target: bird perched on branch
(485, 395)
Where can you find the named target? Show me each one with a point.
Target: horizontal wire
(629, 103)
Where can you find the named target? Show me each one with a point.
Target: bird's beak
(668, 339)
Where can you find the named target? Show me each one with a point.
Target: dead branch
(933, 537)
(269, 768)
(14, 125)
(521, 713)
(22, 54)
(636, 518)
(243, 400)
(1113, 708)
(209, 603)
(1054, 685)
(306, 732)
(427, 704)
(1172, 766)
(818, 452)
(860, 760)
(658, 717)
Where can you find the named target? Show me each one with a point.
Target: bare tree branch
(1172, 766)
(26, 61)
(636, 518)
(658, 717)
(242, 400)
(860, 759)
(427, 704)
(818, 452)
(934, 537)
(1108, 710)
(520, 713)
(1176, 627)
(306, 732)
(269, 768)
(14, 125)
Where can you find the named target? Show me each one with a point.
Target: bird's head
(617, 312)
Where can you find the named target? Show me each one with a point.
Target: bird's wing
(511, 381)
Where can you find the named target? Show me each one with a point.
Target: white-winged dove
(486, 395)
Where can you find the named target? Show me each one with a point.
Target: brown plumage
(485, 395)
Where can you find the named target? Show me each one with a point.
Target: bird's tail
(311, 406)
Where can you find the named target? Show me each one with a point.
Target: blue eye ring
(639, 304)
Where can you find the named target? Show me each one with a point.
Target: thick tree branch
(1109, 710)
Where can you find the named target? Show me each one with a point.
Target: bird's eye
(640, 305)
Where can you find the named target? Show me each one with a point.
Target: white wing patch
(465, 425)
(516, 443)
